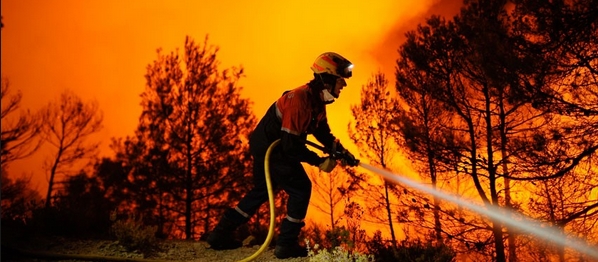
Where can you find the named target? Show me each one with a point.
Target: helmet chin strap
(327, 96)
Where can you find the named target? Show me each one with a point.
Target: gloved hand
(339, 152)
(327, 164)
(349, 159)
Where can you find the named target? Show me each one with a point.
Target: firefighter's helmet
(334, 64)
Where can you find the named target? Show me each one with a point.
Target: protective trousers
(292, 178)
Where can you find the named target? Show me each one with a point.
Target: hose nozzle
(344, 156)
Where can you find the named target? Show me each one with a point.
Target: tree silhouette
(374, 137)
(191, 156)
(464, 83)
(330, 189)
(83, 210)
(567, 202)
(69, 122)
(422, 121)
(506, 101)
(333, 194)
(112, 176)
(18, 199)
(562, 38)
(20, 137)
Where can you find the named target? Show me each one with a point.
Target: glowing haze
(100, 50)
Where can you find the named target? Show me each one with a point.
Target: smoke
(386, 54)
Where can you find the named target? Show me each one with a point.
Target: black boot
(223, 237)
(287, 243)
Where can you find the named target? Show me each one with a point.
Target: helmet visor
(348, 71)
(344, 69)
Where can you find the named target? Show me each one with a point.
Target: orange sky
(100, 50)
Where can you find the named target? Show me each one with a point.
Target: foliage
(338, 237)
(134, 235)
(336, 254)
(80, 210)
(356, 234)
(316, 233)
(189, 157)
(18, 199)
(20, 136)
(513, 84)
(409, 250)
(18, 203)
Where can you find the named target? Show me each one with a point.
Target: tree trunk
(188, 200)
(505, 168)
(437, 225)
(499, 245)
(52, 177)
(436, 211)
(389, 212)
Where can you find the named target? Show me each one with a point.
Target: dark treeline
(498, 104)
(504, 98)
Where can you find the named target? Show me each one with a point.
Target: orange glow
(100, 50)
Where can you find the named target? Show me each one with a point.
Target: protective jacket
(291, 118)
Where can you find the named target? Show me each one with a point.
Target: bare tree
(69, 123)
(20, 136)
(330, 188)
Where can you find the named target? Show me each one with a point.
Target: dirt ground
(61, 249)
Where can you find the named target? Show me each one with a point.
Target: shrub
(337, 254)
(339, 236)
(133, 234)
(409, 250)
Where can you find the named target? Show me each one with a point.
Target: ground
(62, 249)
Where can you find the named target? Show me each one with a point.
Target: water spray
(506, 216)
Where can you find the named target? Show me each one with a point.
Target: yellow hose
(271, 201)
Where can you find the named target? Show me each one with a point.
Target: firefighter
(291, 118)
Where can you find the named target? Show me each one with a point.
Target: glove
(339, 152)
(349, 159)
(336, 148)
(327, 164)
